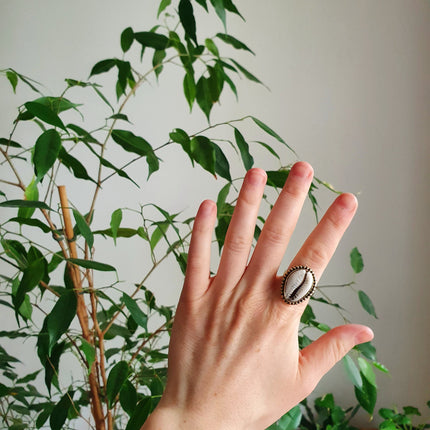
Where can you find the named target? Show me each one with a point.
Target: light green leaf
(163, 5)
(135, 311)
(90, 264)
(45, 114)
(271, 132)
(84, 228)
(46, 151)
(89, 352)
(366, 370)
(13, 79)
(356, 260)
(60, 318)
(115, 222)
(352, 371)
(31, 193)
(158, 233)
(117, 377)
(220, 10)
(290, 421)
(380, 367)
(367, 303)
(269, 148)
(248, 160)
(212, 48)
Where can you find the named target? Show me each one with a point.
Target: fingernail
(207, 207)
(364, 335)
(256, 177)
(302, 169)
(348, 201)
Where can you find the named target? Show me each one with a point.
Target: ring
(298, 283)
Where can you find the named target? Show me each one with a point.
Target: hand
(234, 360)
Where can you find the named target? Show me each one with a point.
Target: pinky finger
(198, 267)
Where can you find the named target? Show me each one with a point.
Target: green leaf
(60, 318)
(31, 277)
(248, 75)
(56, 104)
(136, 144)
(90, 264)
(74, 165)
(186, 16)
(290, 421)
(367, 349)
(115, 222)
(269, 148)
(158, 233)
(127, 38)
(356, 260)
(222, 166)
(82, 133)
(45, 114)
(60, 411)
(135, 311)
(180, 136)
(103, 66)
(89, 352)
(204, 96)
(14, 249)
(141, 413)
(117, 377)
(366, 371)
(84, 228)
(367, 303)
(277, 178)
(157, 61)
(31, 193)
(128, 397)
(366, 396)
(163, 5)
(46, 151)
(10, 143)
(151, 40)
(243, 146)
(271, 132)
(203, 152)
(352, 371)
(189, 89)
(380, 367)
(26, 310)
(13, 79)
(121, 232)
(24, 204)
(203, 4)
(230, 40)
(212, 48)
(220, 10)
(411, 410)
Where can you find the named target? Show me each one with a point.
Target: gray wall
(350, 91)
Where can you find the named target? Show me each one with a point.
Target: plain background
(349, 90)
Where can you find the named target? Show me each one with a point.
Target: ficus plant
(66, 300)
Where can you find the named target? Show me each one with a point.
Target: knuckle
(237, 244)
(274, 236)
(317, 256)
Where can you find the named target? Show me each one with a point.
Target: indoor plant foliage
(66, 299)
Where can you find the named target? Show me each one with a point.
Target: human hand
(234, 360)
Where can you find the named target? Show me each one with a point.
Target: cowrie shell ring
(298, 283)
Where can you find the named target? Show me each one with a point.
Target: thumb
(320, 356)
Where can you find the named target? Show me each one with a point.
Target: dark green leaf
(352, 371)
(367, 349)
(237, 44)
(128, 397)
(269, 148)
(84, 228)
(186, 16)
(45, 114)
(119, 116)
(290, 421)
(411, 410)
(10, 143)
(121, 232)
(24, 204)
(13, 79)
(366, 396)
(157, 61)
(60, 318)
(132, 143)
(356, 260)
(141, 412)
(56, 259)
(189, 89)
(56, 104)
(73, 164)
(247, 159)
(127, 38)
(204, 96)
(117, 377)
(43, 416)
(135, 311)
(228, 4)
(367, 303)
(203, 4)
(222, 166)
(90, 264)
(366, 371)
(180, 136)
(46, 151)
(163, 5)
(31, 277)
(220, 10)
(203, 152)
(60, 411)
(271, 132)
(151, 40)
(14, 249)
(82, 133)
(115, 222)
(103, 66)
(28, 378)
(216, 81)
(158, 233)
(277, 178)
(248, 75)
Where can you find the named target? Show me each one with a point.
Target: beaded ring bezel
(284, 282)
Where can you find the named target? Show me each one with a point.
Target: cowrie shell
(298, 284)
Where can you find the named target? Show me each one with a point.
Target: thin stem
(6, 156)
(10, 183)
